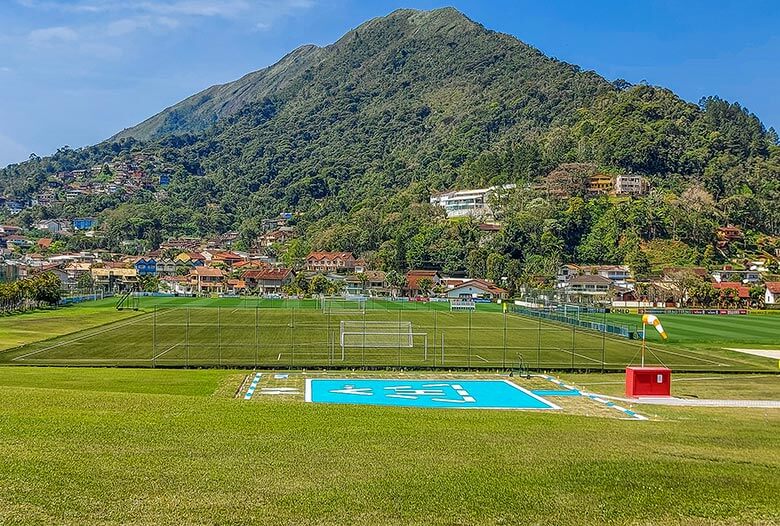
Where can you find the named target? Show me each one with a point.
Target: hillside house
(179, 285)
(166, 267)
(600, 184)
(53, 226)
(145, 267)
(631, 185)
(477, 288)
(112, 279)
(267, 280)
(206, 280)
(727, 235)
(589, 285)
(473, 203)
(330, 262)
(772, 293)
(742, 291)
(371, 282)
(617, 274)
(413, 277)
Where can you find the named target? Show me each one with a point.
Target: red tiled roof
(207, 272)
(742, 290)
(773, 287)
(482, 284)
(228, 256)
(45, 242)
(413, 277)
(267, 274)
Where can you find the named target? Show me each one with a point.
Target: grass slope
(88, 455)
(24, 328)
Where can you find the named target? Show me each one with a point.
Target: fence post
(154, 337)
(539, 346)
(604, 341)
(468, 339)
(503, 359)
(573, 335)
(187, 341)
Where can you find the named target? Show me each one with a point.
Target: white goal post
(343, 304)
(380, 335)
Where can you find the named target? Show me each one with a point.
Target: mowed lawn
(761, 329)
(122, 446)
(20, 329)
(234, 333)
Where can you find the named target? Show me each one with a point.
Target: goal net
(343, 304)
(378, 334)
(381, 337)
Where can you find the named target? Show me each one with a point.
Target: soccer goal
(462, 305)
(343, 304)
(381, 335)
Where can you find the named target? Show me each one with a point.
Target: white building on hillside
(474, 203)
(631, 184)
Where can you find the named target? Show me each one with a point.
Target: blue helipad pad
(460, 394)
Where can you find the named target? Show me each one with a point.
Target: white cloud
(53, 34)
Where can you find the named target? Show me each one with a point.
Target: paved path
(764, 353)
(696, 402)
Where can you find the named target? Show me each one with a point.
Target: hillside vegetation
(354, 137)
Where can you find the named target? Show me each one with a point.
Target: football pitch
(249, 332)
(699, 328)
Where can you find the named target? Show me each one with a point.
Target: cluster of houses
(128, 176)
(615, 284)
(183, 267)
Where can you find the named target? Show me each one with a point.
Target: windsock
(649, 319)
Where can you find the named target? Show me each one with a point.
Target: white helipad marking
(764, 353)
(349, 389)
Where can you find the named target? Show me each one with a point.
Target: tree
(425, 284)
(319, 284)
(85, 282)
(396, 280)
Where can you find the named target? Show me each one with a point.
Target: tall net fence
(295, 336)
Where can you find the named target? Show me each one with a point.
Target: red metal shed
(648, 381)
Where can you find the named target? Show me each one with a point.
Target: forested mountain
(354, 137)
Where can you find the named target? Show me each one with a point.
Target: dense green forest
(355, 136)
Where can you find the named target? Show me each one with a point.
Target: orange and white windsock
(649, 319)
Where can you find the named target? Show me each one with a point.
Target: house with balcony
(145, 266)
(469, 203)
(267, 280)
(339, 262)
(207, 280)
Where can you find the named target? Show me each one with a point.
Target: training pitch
(245, 332)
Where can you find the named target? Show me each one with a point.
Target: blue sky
(76, 71)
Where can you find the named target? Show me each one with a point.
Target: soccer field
(245, 332)
(692, 328)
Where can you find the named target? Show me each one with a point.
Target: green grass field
(127, 446)
(248, 332)
(695, 329)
